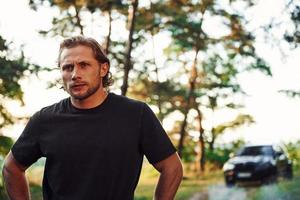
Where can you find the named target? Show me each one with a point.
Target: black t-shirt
(93, 154)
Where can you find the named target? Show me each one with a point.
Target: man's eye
(67, 67)
(83, 64)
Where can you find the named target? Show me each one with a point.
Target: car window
(255, 151)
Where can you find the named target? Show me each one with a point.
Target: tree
(11, 71)
(240, 120)
(146, 87)
(290, 93)
(188, 32)
(106, 7)
(289, 21)
(127, 62)
(293, 152)
(293, 36)
(215, 74)
(71, 21)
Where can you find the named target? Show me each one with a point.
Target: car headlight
(228, 166)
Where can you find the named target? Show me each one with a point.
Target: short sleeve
(26, 149)
(156, 144)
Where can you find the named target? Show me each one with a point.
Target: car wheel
(229, 183)
(272, 179)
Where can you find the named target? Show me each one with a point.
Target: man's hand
(14, 179)
(170, 177)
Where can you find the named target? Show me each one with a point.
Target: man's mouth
(77, 86)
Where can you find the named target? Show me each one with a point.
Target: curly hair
(97, 49)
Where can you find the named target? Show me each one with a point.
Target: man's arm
(170, 177)
(14, 179)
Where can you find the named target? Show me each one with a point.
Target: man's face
(81, 72)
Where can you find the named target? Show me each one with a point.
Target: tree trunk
(78, 20)
(159, 104)
(189, 98)
(159, 101)
(182, 133)
(107, 43)
(201, 142)
(192, 83)
(127, 63)
(212, 142)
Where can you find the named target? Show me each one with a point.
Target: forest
(184, 58)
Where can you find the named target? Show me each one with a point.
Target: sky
(276, 116)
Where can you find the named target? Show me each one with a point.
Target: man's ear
(104, 68)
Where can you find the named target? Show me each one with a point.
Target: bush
(5, 145)
(293, 149)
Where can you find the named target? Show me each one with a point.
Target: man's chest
(74, 138)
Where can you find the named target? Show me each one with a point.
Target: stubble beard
(91, 90)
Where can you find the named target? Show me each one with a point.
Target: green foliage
(221, 154)
(290, 93)
(2, 190)
(167, 95)
(11, 71)
(293, 149)
(218, 156)
(70, 20)
(293, 35)
(188, 153)
(237, 122)
(5, 145)
(148, 19)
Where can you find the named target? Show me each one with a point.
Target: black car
(258, 163)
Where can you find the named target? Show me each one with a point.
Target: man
(94, 141)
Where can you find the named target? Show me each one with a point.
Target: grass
(191, 184)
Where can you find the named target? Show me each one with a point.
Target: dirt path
(221, 192)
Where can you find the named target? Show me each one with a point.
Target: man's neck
(92, 101)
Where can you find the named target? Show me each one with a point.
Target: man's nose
(76, 72)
